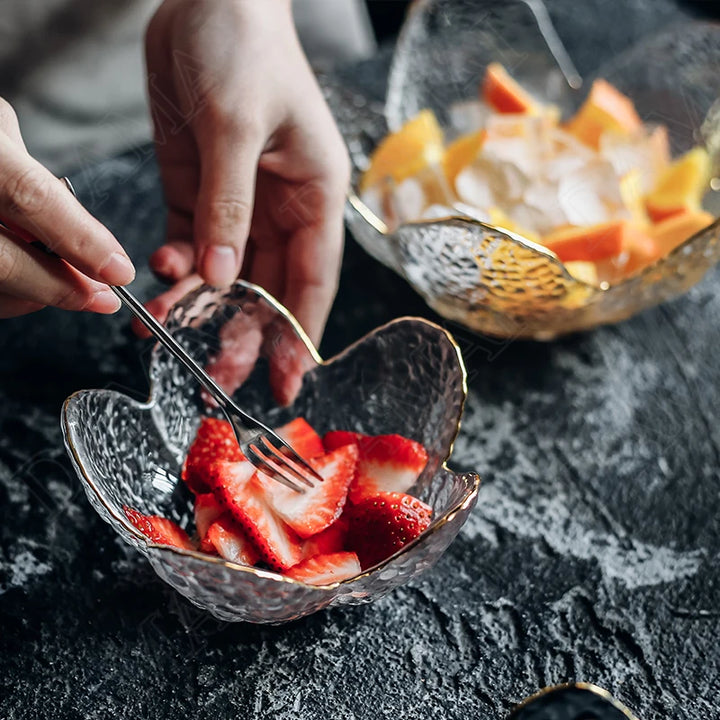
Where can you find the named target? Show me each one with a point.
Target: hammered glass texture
(579, 701)
(445, 46)
(406, 377)
(496, 282)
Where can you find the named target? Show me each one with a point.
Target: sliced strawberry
(230, 542)
(326, 569)
(207, 511)
(311, 511)
(304, 440)
(387, 463)
(215, 440)
(207, 547)
(337, 438)
(379, 525)
(236, 489)
(330, 540)
(158, 529)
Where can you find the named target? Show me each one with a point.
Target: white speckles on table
(21, 567)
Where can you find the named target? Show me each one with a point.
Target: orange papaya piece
(641, 249)
(680, 186)
(673, 231)
(606, 109)
(504, 94)
(591, 243)
(461, 153)
(404, 153)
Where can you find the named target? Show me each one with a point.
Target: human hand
(254, 169)
(260, 331)
(38, 206)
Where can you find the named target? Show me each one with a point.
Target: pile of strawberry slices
(357, 517)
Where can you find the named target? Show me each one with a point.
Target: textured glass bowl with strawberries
(378, 423)
(518, 206)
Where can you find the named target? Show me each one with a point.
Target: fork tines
(287, 469)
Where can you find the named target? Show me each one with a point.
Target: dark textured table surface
(592, 554)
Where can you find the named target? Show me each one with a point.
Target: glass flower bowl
(571, 701)
(484, 277)
(406, 377)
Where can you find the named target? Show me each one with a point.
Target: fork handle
(174, 347)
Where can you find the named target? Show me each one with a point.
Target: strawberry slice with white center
(158, 529)
(317, 507)
(330, 540)
(387, 463)
(228, 540)
(337, 438)
(302, 438)
(215, 440)
(236, 488)
(326, 569)
(207, 511)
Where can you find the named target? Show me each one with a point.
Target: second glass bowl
(486, 278)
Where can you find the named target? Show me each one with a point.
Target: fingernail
(220, 265)
(105, 301)
(118, 270)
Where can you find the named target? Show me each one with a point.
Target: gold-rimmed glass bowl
(406, 377)
(571, 701)
(486, 278)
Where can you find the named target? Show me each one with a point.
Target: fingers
(36, 201)
(311, 212)
(229, 157)
(240, 341)
(267, 268)
(33, 276)
(313, 261)
(38, 206)
(180, 219)
(160, 306)
(180, 180)
(176, 155)
(288, 358)
(11, 306)
(173, 261)
(9, 123)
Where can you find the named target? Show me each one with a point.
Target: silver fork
(258, 443)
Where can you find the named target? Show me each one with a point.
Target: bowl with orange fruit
(522, 205)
